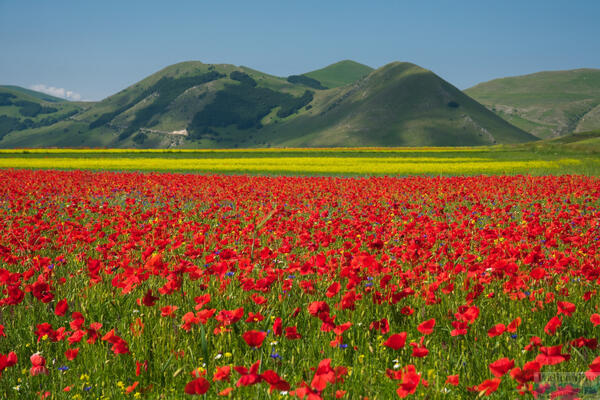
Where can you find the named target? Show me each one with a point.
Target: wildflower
(38, 365)
(254, 338)
(197, 386)
(396, 341)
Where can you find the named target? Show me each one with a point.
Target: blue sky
(94, 49)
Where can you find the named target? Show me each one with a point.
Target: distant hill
(340, 74)
(38, 95)
(192, 104)
(547, 104)
(22, 109)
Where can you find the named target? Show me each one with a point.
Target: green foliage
(31, 109)
(243, 78)
(245, 106)
(140, 138)
(306, 81)
(290, 105)
(453, 104)
(9, 124)
(5, 99)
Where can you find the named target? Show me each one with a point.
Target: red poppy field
(117, 285)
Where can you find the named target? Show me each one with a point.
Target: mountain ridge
(193, 104)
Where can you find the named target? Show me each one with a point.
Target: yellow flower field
(316, 165)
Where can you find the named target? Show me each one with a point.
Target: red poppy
(396, 341)
(71, 353)
(595, 319)
(148, 299)
(594, 370)
(426, 327)
(500, 367)
(291, 332)
(38, 365)
(323, 375)
(409, 382)
(131, 387)
(226, 392)
(7, 361)
(317, 307)
(277, 327)
(489, 386)
(552, 355)
(248, 377)
(452, 380)
(496, 330)
(512, 327)
(168, 311)
(333, 289)
(197, 386)
(566, 308)
(254, 338)
(222, 373)
(552, 326)
(274, 380)
(61, 307)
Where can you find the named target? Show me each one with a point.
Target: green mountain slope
(340, 74)
(198, 105)
(400, 104)
(547, 104)
(32, 93)
(22, 109)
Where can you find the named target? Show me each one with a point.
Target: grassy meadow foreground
(160, 285)
(547, 158)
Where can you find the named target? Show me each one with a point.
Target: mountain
(547, 104)
(198, 105)
(22, 109)
(340, 74)
(400, 104)
(38, 95)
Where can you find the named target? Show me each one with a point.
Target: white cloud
(58, 92)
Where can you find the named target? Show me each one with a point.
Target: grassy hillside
(196, 105)
(547, 104)
(400, 104)
(340, 74)
(22, 109)
(32, 93)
